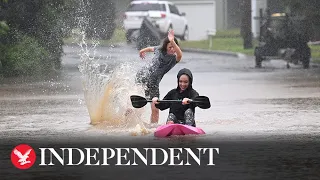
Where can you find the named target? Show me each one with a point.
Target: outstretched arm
(175, 45)
(142, 52)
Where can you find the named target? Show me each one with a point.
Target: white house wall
(201, 16)
(256, 5)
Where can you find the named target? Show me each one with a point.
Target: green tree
(3, 25)
(38, 19)
(308, 9)
(246, 31)
(42, 25)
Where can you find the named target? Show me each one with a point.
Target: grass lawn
(221, 44)
(315, 53)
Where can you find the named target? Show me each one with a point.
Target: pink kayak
(176, 129)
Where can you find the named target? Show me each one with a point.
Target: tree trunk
(246, 24)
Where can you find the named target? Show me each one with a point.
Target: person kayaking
(166, 56)
(180, 113)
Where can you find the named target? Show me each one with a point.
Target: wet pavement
(268, 102)
(265, 121)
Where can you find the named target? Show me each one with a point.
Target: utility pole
(246, 32)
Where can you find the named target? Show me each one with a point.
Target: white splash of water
(107, 94)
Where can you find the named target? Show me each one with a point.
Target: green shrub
(39, 19)
(4, 28)
(26, 58)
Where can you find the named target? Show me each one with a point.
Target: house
(201, 16)
(216, 15)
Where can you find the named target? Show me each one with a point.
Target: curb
(192, 50)
(233, 54)
(224, 53)
(195, 50)
(315, 64)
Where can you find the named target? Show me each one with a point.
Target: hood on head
(188, 73)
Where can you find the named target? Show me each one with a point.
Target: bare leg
(153, 91)
(154, 114)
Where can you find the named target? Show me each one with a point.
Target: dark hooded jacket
(178, 109)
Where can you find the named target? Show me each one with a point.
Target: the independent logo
(23, 156)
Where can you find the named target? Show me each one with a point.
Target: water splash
(107, 93)
(108, 96)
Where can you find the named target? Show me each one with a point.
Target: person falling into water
(180, 113)
(165, 58)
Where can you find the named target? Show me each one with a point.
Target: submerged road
(265, 121)
(245, 101)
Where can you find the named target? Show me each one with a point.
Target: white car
(164, 14)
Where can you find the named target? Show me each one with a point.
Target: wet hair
(165, 43)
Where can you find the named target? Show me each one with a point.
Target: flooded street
(264, 121)
(245, 101)
(77, 122)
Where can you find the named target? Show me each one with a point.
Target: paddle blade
(138, 101)
(202, 102)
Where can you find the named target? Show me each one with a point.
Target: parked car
(163, 14)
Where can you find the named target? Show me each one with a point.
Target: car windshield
(146, 7)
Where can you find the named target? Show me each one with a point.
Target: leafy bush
(27, 57)
(41, 20)
(4, 28)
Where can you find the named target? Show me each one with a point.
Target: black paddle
(202, 102)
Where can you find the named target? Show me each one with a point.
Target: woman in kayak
(166, 57)
(180, 113)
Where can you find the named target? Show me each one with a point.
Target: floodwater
(264, 121)
(245, 101)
